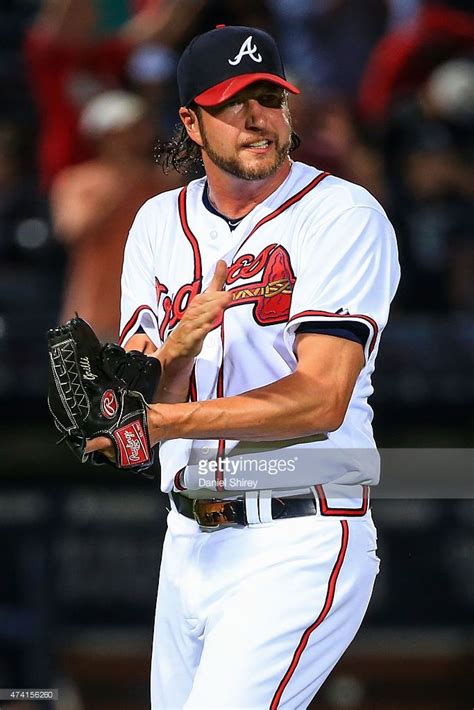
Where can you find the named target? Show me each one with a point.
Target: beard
(236, 167)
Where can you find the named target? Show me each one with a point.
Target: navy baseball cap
(218, 64)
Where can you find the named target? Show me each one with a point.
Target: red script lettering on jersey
(271, 294)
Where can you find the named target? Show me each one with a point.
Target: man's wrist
(175, 376)
(179, 368)
(172, 363)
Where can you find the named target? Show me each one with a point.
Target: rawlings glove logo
(109, 404)
(132, 444)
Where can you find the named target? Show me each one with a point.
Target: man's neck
(235, 197)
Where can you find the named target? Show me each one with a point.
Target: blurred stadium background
(387, 100)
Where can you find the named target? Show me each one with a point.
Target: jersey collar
(232, 223)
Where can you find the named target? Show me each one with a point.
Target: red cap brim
(224, 91)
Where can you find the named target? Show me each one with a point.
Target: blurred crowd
(88, 86)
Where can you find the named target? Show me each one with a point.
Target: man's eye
(271, 100)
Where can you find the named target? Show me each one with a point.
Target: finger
(213, 299)
(209, 303)
(208, 299)
(204, 317)
(97, 444)
(220, 275)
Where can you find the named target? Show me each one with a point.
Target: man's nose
(255, 114)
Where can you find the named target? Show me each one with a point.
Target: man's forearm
(284, 409)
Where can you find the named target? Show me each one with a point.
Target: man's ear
(190, 121)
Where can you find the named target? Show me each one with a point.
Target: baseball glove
(97, 390)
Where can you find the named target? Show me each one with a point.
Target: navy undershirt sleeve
(355, 331)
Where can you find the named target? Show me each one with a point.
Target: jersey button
(213, 234)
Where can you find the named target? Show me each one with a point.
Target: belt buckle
(218, 514)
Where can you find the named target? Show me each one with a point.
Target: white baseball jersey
(319, 250)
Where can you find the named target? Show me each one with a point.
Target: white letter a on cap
(246, 48)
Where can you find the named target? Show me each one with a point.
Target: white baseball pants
(257, 617)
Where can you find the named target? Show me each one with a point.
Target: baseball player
(263, 288)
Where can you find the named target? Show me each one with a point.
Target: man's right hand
(177, 353)
(201, 316)
(185, 342)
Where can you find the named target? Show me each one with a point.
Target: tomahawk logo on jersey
(319, 253)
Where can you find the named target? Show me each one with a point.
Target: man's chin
(258, 173)
(255, 169)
